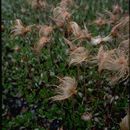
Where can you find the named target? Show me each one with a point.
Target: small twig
(78, 72)
(85, 92)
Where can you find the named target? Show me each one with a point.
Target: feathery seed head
(66, 89)
(19, 28)
(41, 43)
(61, 16)
(78, 56)
(45, 30)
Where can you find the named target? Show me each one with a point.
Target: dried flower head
(74, 28)
(117, 9)
(79, 33)
(41, 43)
(45, 30)
(113, 18)
(86, 116)
(66, 89)
(118, 64)
(20, 29)
(102, 57)
(61, 16)
(84, 34)
(66, 3)
(114, 61)
(78, 56)
(121, 30)
(124, 46)
(118, 61)
(100, 22)
(38, 4)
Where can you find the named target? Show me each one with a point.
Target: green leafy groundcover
(28, 79)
